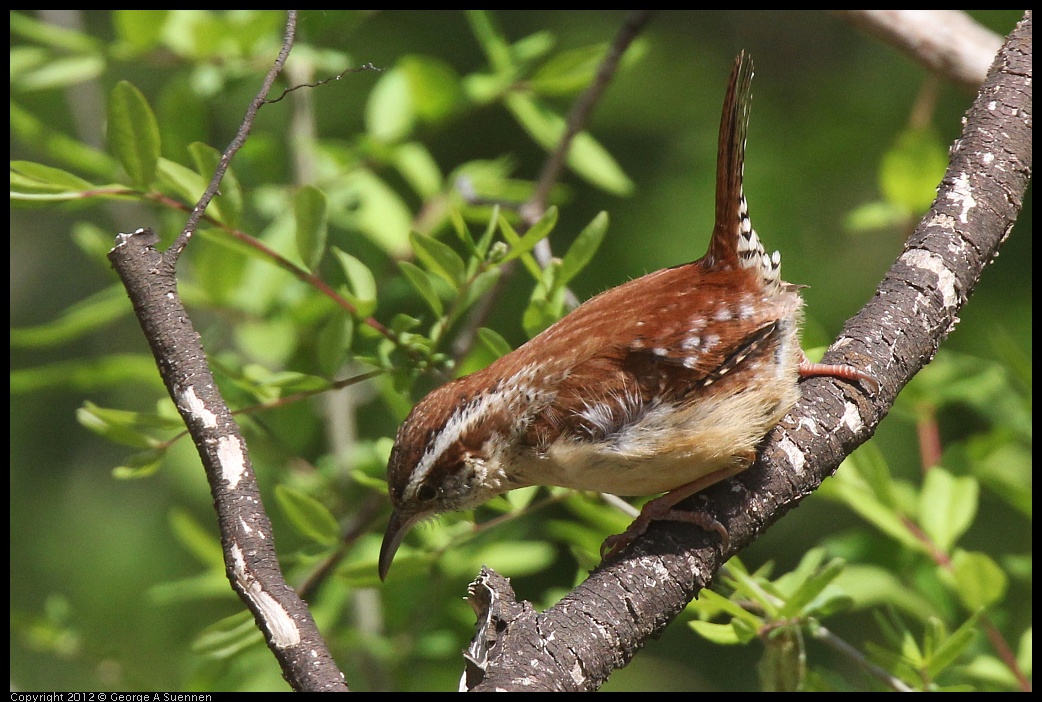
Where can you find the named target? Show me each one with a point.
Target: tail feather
(734, 241)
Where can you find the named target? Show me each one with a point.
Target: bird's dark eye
(426, 492)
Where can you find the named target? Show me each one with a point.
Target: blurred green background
(90, 554)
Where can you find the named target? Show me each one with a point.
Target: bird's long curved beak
(397, 528)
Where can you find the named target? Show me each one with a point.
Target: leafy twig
(174, 252)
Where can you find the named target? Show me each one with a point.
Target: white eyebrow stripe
(466, 417)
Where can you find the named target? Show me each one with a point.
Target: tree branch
(948, 42)
(601, 624)
(246, 533)
(533, 210)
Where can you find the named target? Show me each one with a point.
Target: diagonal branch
(948, 42)
(251, 563)
(601, 624)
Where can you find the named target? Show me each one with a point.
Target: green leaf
(521, 498)
(207, 586)
(59, 147)
(582, 250)
(140, 465)
(569, 71)
(51, 35)
(478, 287)
(542, 311)
(912, 169)
(810, 588)
(362, 282)
(438, 257)
(201, 541)
(1024, 651)
(434, 86)
(376, 484)
(25, 58)
(979, 580)
(421, 282)
(586, 156)
(228, 203)
(270, 340)
(294, 381)
(117, 372)
(121, 426)
(850, 486)
(535, 46)
(417, 88)
(948, 650)
(723, 634)
(36, 177)
(753, 587)
(221, 268)
(133, 133)
(492, 340)
(871, 586)
(459, 225)
(873, 216)
(491, 39)
(183, 181)
(60, 73)
(536, 233)
(512, 558)
(711, 603)
(140, 28)
(947, 506)
(1004, 467)
(309, 516)
(871, 466)
(361, 201)
(389, 113)
(419, 169)
(228, 637)
(513, 239)
(402, 323)
(310, 214)
(84, 317)
(483, 244)
(334, 342)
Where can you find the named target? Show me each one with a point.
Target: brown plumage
(666, 383)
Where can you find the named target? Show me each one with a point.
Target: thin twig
(532, 210)
(338, 76)
(171, 255)
(251, 561)
(837, 644)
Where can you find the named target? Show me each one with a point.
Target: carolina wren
(665, 384)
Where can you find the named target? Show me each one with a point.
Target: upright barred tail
(734, 240)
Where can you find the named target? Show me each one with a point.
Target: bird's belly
(667, 446)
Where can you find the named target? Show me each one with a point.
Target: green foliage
(133, 133)
(364, 225)
(908, 178)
